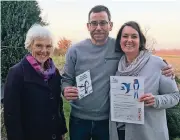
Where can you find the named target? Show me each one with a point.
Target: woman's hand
(148, 99)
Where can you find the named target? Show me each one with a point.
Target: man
(90, 115)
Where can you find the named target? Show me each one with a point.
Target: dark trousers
(121, 134)
(80, 129)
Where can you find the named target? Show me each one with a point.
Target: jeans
(81, 129)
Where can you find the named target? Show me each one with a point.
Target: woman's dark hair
(135, 26)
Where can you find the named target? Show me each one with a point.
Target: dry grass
(174, 60)
(59, 62)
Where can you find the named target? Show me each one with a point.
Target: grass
(174, 61)
(3, 131)
(67, 113)
(170, 56)
(59, 62)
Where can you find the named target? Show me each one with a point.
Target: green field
(66, 113)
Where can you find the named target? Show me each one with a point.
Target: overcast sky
(68, 18)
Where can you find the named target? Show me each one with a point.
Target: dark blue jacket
(33, 109)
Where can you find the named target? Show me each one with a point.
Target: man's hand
(148, 99)
(168, 71)
(70, 93)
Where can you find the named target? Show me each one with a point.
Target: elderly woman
(161, 92)
(33, 107)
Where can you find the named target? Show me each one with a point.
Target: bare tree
(150, 41)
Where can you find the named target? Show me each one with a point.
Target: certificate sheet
(84, 85)
(125, 92)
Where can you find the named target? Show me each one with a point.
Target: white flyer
(125, 92)
(84, 85)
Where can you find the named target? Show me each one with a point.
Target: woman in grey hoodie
(161, 92)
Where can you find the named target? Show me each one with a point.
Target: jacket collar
(30, 75)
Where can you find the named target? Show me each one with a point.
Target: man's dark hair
(100, 8)
(135, 26)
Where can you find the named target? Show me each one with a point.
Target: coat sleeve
(12, 104)
(68, 77)
(169, 95)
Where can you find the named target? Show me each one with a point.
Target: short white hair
(37, 31)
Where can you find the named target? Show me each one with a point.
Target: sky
(68, 18)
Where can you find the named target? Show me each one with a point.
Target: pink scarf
(36, 65)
